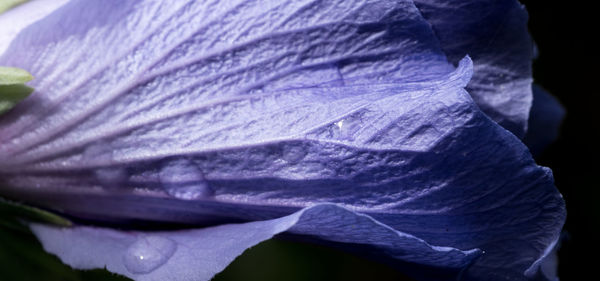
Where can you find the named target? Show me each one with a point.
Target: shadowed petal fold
(494, 33)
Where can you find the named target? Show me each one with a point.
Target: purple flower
(360, 123)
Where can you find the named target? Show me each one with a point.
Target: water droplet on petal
(148, 253)
(99, 152)
(183, 179)
(347, 128)
(111, 177)
(293, 153)
(339, 124)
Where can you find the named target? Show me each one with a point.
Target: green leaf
(10, 95)
(13, 75)
(7, 4)
(10, 210)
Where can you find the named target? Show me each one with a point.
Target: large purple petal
(102, 50)
(146, 111)
(201, 253)
(494, 33)
(298, 81)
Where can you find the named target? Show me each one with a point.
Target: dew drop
(294, 153)
(339, 124)
(111, 177)
(182, 179)
(347, 128)
(98, 152)
(148, 253)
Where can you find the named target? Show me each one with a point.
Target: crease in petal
(545, 268)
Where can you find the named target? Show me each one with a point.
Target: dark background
(567, 67)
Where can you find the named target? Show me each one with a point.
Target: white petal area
(23, 15)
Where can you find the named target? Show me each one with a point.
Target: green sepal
(12, 89)
(7, 4)
(10, 95)
(10, 210)
(13, 75)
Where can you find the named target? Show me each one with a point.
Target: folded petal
(546, 267)
(201, 253)
(545, 119)
(494, 34)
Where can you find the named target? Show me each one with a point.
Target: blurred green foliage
(23, 259)
(9, 210)
(293, 261)
(7, 4)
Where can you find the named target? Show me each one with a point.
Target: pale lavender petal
(494, 33)
(201, 253)
(158, 55)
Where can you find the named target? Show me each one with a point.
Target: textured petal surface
(544, 123)
(200, 254)
(494, 33)
(205, 112)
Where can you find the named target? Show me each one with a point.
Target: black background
(567, 66)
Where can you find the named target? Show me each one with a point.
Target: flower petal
(146, 111)
(494, 34)
(201, 253)
(545, 268)
(95, 53)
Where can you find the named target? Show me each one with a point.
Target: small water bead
(347, 128)
(99, 152)
(182, 179)
(111, 177)
(148, 253)
(294, 153)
